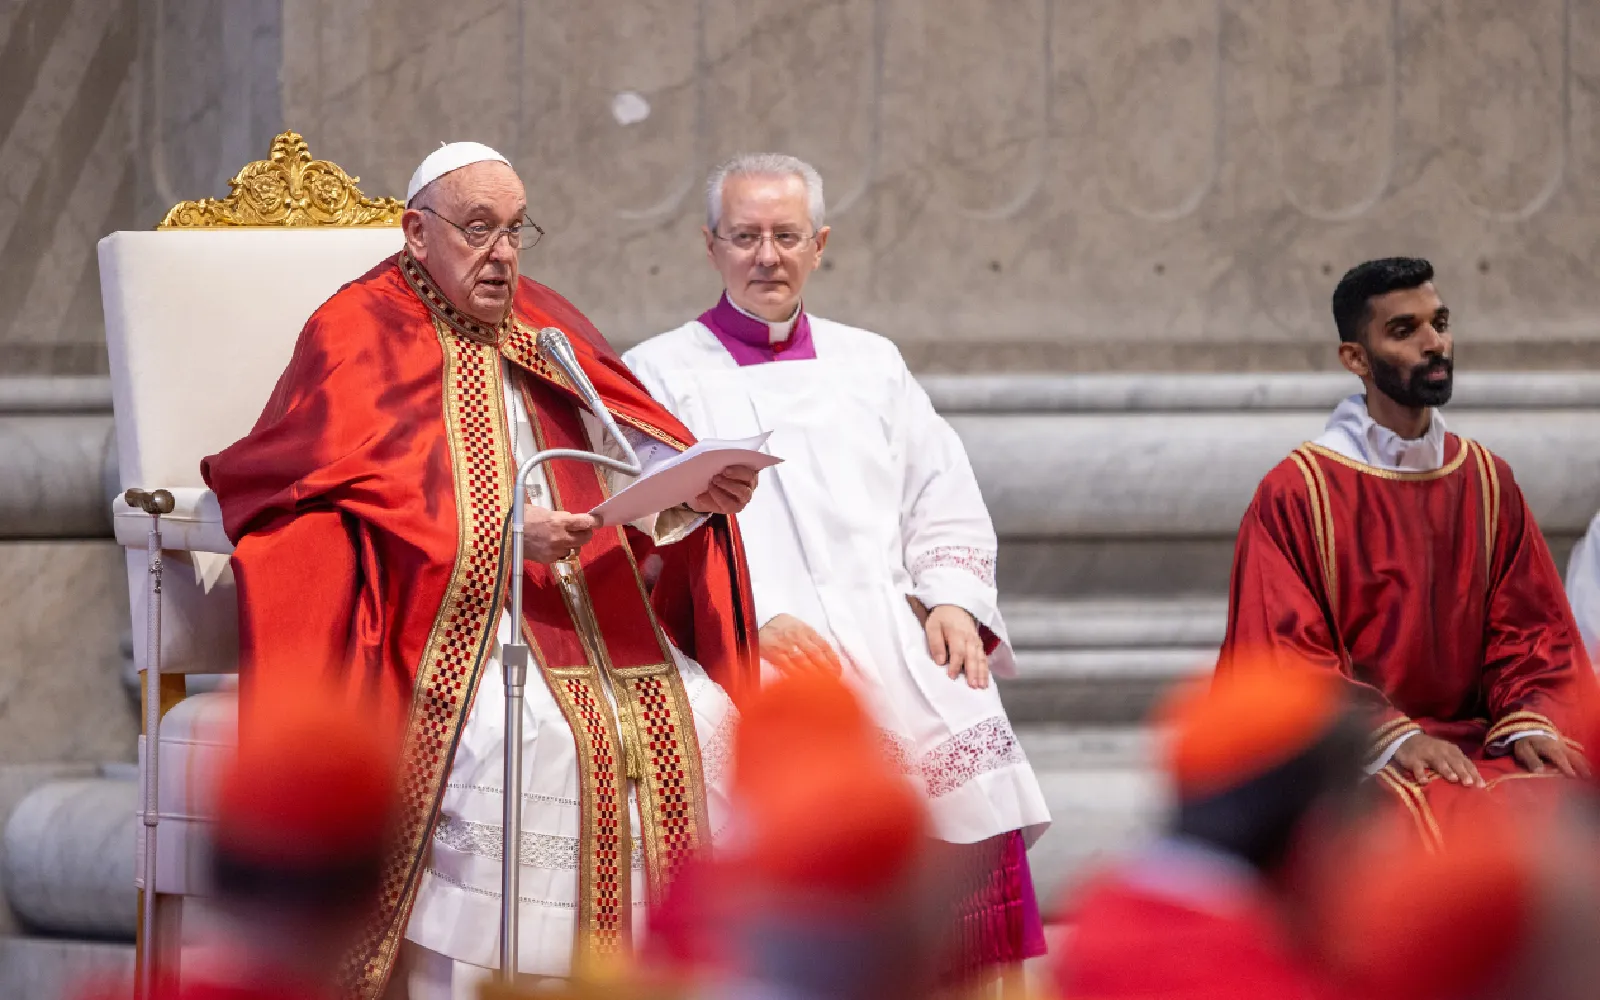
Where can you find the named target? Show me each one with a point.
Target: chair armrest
(195, 524)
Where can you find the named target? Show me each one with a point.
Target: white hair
(765, 165)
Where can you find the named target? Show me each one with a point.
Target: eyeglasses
(750, 240)
(524, 235)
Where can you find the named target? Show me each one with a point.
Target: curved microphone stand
(514, 655)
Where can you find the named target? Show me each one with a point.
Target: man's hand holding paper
(729, 491)
(712, 477)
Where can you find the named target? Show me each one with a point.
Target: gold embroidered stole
(457, 645)
(592, 630)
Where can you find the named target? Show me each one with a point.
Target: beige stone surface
(64, 606)
(1059, 184)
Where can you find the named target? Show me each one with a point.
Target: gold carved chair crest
(288, 188)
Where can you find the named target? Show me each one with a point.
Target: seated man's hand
(549, 535)
(728, 492)
(1533, 751)
(954, 643)
(1422, 753)
(795, 647)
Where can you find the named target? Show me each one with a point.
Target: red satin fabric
(341, 504)
(1126, 942)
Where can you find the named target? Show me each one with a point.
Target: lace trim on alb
(527, 796)
(490, 893)
(898, 749)
(716, 750)
(535, 850)
(988, 746)
(979, 562)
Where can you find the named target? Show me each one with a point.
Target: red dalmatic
(1433, 593)
(370, 508)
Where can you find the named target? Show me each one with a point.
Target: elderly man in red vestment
(1405, 559)
(370, 508)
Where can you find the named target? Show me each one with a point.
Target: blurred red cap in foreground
(1245, 722)
(311, 782)
(826, 809)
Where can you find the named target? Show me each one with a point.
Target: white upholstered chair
(201, 317)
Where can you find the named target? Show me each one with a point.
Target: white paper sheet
(682, 478)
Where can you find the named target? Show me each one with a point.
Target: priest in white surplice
(871, 540)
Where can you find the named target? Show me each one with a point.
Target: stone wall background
(1060, 184)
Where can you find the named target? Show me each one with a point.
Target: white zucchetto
(449, 156)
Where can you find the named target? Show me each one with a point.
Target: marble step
(1105, 795)
(1105, 661)
(1116, 623)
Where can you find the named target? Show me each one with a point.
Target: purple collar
(750, 341)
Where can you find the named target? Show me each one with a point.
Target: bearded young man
(1405, 559)
(871, 551)
(369, 507)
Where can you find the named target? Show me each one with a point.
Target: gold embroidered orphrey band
(459, 642)
(651, 740)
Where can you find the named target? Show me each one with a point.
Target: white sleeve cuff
(1382, 760)
(1514, 737)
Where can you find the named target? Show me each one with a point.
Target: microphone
(553, 342)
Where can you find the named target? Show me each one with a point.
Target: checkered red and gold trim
(461, 637)
(521, 348)
(605, 842)
(672, 806)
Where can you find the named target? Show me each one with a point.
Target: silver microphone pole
(514, 655)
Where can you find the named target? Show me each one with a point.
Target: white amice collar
(776, 332)
(1353, 433)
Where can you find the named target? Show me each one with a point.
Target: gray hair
(765, 165)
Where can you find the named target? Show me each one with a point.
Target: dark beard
(1412, 389)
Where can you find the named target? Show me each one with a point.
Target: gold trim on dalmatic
(1415, 801)
(1321, 523)
(1373, 470)
(1388, 733)
(1520, 722)
(1490, 478)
